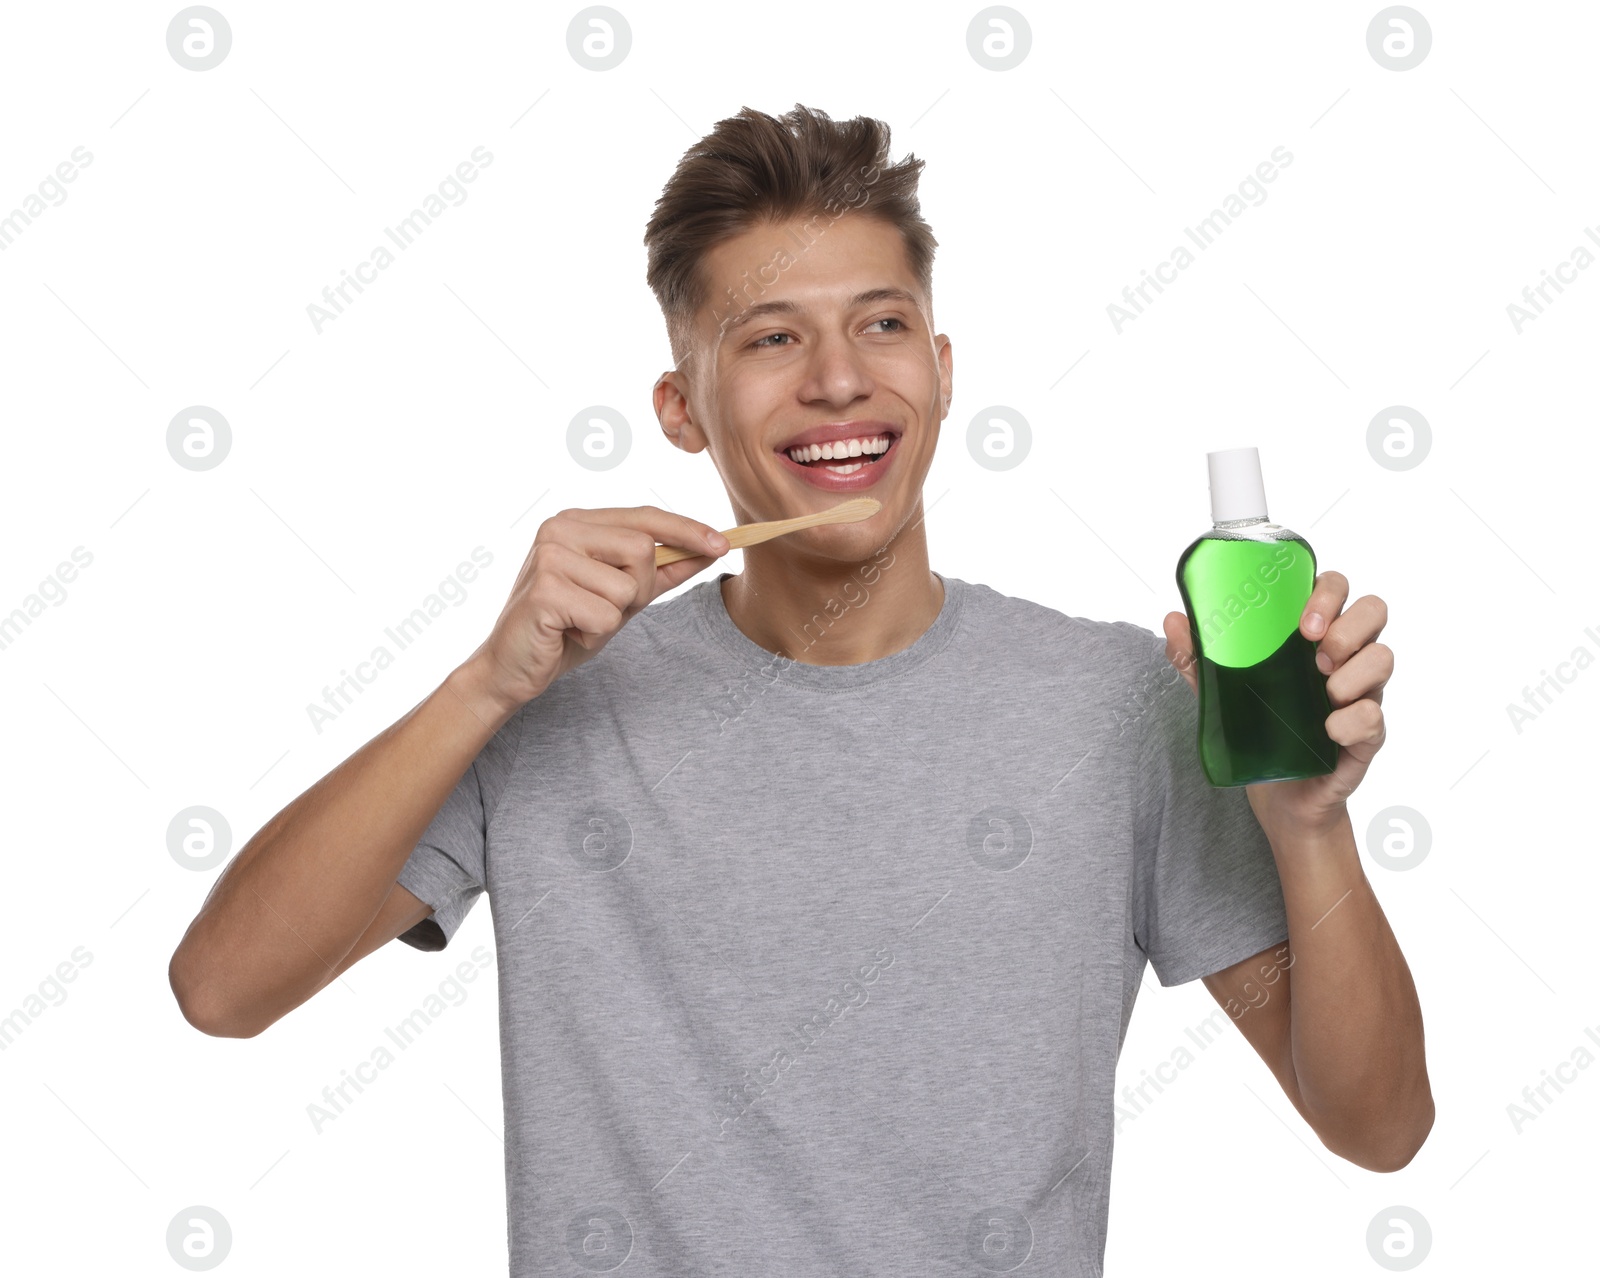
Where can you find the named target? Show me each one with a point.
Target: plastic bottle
(1263, 702)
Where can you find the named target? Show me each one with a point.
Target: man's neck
(826, 613)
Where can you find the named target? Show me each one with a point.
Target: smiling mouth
(847, 456)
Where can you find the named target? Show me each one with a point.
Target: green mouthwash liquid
(1263, 702)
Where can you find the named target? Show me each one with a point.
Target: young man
(822, 892)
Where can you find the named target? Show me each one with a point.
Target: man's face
(802, 335)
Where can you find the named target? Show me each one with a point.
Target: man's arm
(1254, 992)
(400, 912)
(291, 907)
(1351, 1038)
(1347, 1048)
(315, 889)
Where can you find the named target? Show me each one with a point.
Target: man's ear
(946, 378)
(672, 411)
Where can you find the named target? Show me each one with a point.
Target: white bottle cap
(1236, 488)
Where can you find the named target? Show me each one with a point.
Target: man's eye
(888, 319)
(760, 340)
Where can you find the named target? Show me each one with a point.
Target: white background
(431, 417)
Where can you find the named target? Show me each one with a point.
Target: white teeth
(842, 449)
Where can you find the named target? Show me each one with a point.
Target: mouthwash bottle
(1263, 702)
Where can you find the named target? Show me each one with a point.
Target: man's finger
(1358, 726)
(1351, 631)
(1362, 676)
(1328, 594)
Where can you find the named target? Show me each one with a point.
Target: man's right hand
(588, 574)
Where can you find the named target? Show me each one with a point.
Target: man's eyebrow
(786, 307)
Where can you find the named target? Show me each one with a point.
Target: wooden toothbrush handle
(743, 535)
(755, 534)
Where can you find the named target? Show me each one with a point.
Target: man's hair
(752, 168)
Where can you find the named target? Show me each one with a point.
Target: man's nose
(837, 373)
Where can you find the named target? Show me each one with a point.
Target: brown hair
(753, 167)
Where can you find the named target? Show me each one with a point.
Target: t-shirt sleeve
(448, 867)
(1206, 892)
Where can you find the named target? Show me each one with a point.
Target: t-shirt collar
(783, 668)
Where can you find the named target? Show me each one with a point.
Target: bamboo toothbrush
(846, 512)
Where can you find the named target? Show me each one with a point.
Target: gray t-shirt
(823, 970)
